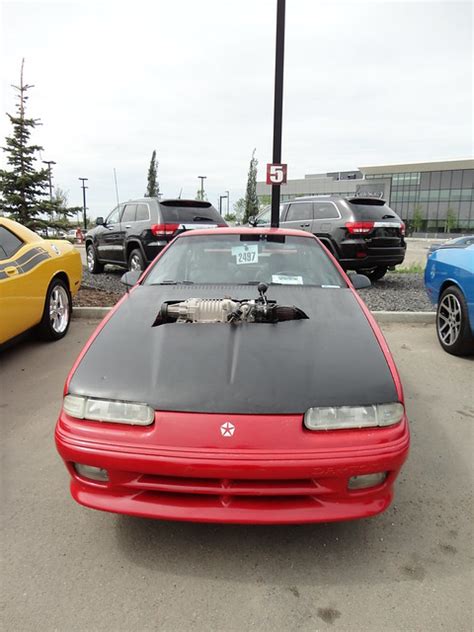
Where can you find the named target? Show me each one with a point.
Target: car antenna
(179, 196)
(118, 205)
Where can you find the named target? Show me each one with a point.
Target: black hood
(330, 359)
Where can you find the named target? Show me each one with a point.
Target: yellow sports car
(38, 277)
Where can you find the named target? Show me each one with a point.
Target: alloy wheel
(90, 259)
(59, 309)
(135, 263)
(449, 319)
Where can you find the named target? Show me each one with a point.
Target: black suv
(136, 231)
(363, 233)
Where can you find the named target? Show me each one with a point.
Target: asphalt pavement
(67, 568)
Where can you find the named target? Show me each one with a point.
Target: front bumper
(238, 486)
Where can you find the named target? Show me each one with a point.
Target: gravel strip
(398, 293)
(395, 292)
(109, 281)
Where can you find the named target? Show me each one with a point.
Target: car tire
(452, 323)
(136, 261)
(57, 311)
(93, 264)
(376, 273)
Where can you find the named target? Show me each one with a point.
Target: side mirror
(131, 277)
(359, 281)
(252, 222)
(99, 221)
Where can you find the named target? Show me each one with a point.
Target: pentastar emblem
(227, 429)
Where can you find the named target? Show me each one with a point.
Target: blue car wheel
(452, 323)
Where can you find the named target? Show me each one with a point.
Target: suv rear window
(190, 212)
(373, 210)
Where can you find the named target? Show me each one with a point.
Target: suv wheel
(452, 323)
(93, 264)
(375, 274)
(136, 261)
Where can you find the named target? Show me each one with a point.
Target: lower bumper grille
(228, 487)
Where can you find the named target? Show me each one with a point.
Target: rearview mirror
(99, 221)
(359, 281)
(131, 277)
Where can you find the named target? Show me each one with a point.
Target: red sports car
(241, 379)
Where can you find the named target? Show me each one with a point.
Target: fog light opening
(91, 472)
(363, 481)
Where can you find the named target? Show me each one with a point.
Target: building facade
(431, 197)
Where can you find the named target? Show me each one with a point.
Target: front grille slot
(225, 487)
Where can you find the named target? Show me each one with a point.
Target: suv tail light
(402, 229)
(359, 228)
(159, 230)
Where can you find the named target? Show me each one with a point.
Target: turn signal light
(159, 230)
(359, 228)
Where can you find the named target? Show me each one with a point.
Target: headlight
(340, 417)
(108, 410)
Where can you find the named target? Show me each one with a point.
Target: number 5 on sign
(276, 173)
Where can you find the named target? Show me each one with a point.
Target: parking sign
(276, 173)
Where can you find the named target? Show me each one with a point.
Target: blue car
(449, 281)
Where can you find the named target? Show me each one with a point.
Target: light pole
(228, 203)
(84, 200)
(278, 106)
(202, 178)
(50, 177)
(222, 197)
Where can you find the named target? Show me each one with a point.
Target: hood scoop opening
(227, 310)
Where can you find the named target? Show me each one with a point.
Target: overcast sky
(365, 83)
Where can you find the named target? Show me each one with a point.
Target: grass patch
(414, 268)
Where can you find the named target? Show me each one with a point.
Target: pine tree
(251, 199)
(153, 187)
(22, 187)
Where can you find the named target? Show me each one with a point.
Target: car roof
(358, 199)
(242, 230)
(169, 201)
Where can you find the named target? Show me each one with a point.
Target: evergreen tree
(59, 211)
(251, 200)
(153, 187)
(22, 186)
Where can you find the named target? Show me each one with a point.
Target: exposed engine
(226, 310)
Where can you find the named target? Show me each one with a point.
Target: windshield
(246, 259)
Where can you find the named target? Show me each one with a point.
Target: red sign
(276, 173)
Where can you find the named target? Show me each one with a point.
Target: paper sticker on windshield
(245, 254)
(287, 279)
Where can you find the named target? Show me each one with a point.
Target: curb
(426, 318)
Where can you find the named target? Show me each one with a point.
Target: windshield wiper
(201, 218)
(170, 282)
(388, 217)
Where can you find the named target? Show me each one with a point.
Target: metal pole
(278, 105)
(84, 201)
(49, 163)
(202, 178)
(227, 202)
(221, 197)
